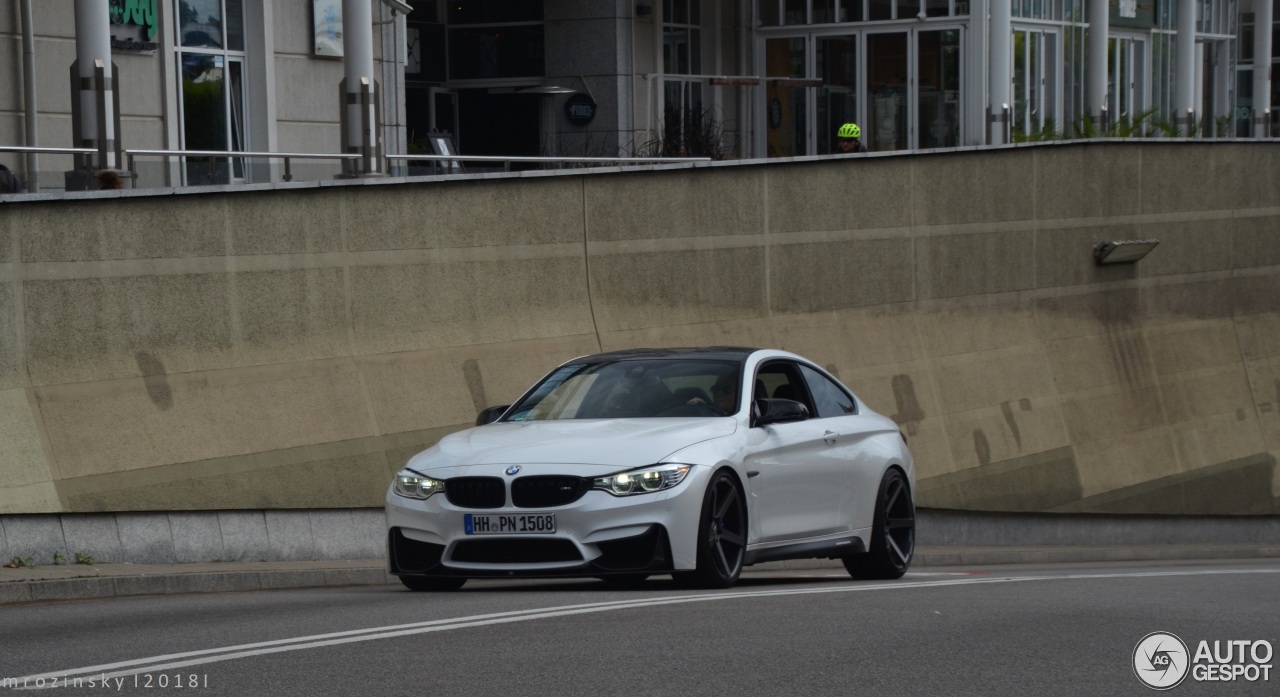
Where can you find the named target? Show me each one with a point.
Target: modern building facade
(726, 78)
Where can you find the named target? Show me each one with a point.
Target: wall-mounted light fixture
(1122, 251)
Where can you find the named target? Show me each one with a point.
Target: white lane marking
(205, 656)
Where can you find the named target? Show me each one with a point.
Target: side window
(781, 380)
(827, 396)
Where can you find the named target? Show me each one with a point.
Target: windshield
(634, 389)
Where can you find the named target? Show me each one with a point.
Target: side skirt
(825, 549)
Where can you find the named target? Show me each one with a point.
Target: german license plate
(511, 524)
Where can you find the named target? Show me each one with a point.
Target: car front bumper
(597, 535)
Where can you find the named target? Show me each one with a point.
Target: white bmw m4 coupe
(691, 462)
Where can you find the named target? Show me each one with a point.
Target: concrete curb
(125, 580)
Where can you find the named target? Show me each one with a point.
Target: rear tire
(432, 583)
(893, 536)
(722, 536)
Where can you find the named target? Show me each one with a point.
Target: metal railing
(442, 164)
(452, 163)
(214, 155)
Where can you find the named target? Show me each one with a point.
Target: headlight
(412, 487)
(645, 480)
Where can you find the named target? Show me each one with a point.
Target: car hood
(610, 444)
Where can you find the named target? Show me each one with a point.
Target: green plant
(83, 558)
(1222, 125)
(1165, 128)
(691, 132)
(1046, 132)
(20, 562)
(59, 558)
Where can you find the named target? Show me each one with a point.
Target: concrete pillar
(1185, 67)
(93, 51)
(1263, 17)
(1096, 63)
(1001, 76)
(360, 106)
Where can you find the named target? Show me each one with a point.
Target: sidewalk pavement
(78, 581)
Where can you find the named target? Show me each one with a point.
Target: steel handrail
(506, 160)
(288, 157)
(48, 151)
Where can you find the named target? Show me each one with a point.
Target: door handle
(831, 437)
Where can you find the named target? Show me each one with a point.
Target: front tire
(722, 536)
(421, 584)
(893, 536)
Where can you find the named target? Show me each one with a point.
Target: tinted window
(781, 380)
(828, 397)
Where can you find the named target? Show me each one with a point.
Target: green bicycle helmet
(849, 130)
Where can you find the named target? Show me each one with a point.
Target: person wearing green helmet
(850, 136)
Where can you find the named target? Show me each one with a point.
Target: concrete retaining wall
(291, 347)
(336, 534)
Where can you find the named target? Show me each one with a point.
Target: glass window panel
(768, 10)
(675, 51)
(822, 11)
(695, 11)
(838, 96)
(939, 88)
(881, 9)
(785, 113)
(204, 123)
(1246, 39)
(908, 9)
(886, 127)
(695, 52)
(235, 25)
(1021, 119)
(794, 12)
(937, 8)
(679, 13)
(849, 11)
(200, 23)
(236, 93)
(828, 398)
(1244, 112)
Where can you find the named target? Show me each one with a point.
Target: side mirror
(491, 414)
(776, 411)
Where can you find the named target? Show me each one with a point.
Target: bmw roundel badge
(513, 470)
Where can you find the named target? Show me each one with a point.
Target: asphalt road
(1016, 630)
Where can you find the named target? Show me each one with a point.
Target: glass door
(937, 88)
(1035, 81)
(903, 87)
(837, 61)
(1126, 71)
(888, 95)
(786, 104)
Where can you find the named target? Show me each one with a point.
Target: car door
(789, 473)
(851, 464)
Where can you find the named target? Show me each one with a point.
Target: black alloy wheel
(893, 537)
(722, 536)
(432, 583)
